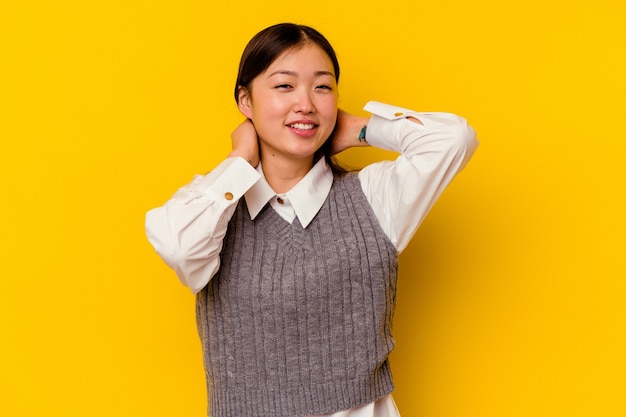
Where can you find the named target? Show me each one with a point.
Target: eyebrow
(295, 74)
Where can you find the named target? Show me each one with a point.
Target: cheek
(331, 112)
(265, 104)
(328, 107)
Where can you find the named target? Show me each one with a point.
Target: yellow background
(512, 295)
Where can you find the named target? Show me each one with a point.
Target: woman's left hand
(347, 130)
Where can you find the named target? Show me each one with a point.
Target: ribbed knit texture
(298, 321)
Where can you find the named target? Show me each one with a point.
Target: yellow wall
(512, 296)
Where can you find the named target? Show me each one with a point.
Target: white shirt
(188, 230)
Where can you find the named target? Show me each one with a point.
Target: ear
(244, 102)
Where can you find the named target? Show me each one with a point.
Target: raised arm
(433, 148)
(188, 230)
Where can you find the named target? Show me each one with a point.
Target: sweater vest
(298, 321)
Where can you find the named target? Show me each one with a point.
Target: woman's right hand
(246, 143)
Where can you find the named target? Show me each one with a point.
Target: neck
(282, 174)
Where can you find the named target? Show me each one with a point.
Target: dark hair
(269, 44)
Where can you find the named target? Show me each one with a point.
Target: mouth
(302, 126)
(303, 129)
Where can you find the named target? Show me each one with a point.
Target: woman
(296, 281)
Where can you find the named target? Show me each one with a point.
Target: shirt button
(398, 114)
(228, 196)
(280, 200)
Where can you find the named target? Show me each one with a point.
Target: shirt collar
(307, 196)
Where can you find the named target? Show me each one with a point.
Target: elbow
(458, 141)
(161, 239)
(179, 261)
(465, 134)
(463, 140)
(194, 264)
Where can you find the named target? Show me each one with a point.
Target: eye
(283, 86)
(324, 87)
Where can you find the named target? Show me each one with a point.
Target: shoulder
(347, 180)
(348, 190)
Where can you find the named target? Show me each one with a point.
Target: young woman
(294, 260)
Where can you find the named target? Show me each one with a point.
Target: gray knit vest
(298, 321)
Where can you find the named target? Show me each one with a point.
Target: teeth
(303, 126)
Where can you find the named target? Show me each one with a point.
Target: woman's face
(293, 104)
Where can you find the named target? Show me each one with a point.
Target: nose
(304, 103)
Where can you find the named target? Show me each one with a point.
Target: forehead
(307, 57)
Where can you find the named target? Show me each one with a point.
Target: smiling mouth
(302, 126)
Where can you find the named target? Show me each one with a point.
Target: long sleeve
(188, 230)
(401, 192)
